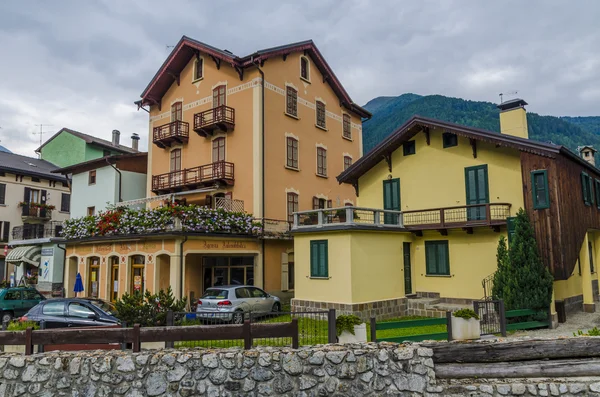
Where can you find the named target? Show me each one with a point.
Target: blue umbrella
(78, 284)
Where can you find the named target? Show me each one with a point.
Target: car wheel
(276, 307)
(238, 318)
(6, 317)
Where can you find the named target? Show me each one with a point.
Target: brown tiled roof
(187, 47)
(417, 124)
(90, 140)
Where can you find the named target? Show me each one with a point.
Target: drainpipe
(64, 266)
(181, 267)
(120, 178)
(262, 84)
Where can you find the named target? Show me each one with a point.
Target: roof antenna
(507, 93)
(169, 46)
(41, 133)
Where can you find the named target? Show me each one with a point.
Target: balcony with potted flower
(31, 211)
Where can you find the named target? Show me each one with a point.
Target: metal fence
(315, 327)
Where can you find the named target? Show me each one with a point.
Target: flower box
(360, 335)
(465, 329)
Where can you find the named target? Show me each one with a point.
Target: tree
(524, 281)
(500, 274)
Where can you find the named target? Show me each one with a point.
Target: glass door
(476, 180)
(114, 282)
(94, 281)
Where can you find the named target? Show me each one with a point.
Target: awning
(28, 253)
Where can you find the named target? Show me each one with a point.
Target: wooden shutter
(2, 193)
(329, 204)
(431, 258)
(284, 272)
(584, 186)
(315, 203)
(444, 260)
(314, 258)
(5, 230)
(26, 199)
(43, 211)
(65, 202)
(323, 260)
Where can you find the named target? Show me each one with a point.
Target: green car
(16, 301)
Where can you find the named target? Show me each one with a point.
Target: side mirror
(92, 316)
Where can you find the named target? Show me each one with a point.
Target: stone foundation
(574, 304)
(381, 310)
(595, 290)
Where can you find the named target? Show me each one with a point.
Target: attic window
(409, 148)
(34, 179)
(198, 69)
(449, 139)
(304, 69)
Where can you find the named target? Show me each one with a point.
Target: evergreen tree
(525, 283)
(502, 260)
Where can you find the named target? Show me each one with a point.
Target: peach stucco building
(265, 133)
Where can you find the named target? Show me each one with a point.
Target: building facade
(441, 196)
(263, 134)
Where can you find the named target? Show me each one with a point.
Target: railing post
(488, 213)
(4, 325)
(350, 215)
(28, 341)
(376, 215)
(124, 345)
(332, 331)
(137, 344)
(502, 315)
(449, 324)
(296, 220)
(42, 326)
(373, 329)
(247, 332)
(319, 218)
(442, 217)
(295, 336)
(170, 323)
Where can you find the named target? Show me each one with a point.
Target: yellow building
(265, 134)
(433, 200)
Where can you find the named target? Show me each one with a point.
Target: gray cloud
(81, 64)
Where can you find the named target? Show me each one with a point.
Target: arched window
(198, 69)
(304, 68)
(292, 152)
(138, 263)
(292, 206)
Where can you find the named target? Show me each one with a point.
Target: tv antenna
(507, 93)
(41, 133)
(169, 46)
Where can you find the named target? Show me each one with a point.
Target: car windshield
(105, 306)
(215, 294)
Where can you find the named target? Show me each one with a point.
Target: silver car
(232, 303)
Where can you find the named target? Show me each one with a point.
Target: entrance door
(391, 199)
(407, 270)
(114, 282)
(94, 278)
(476, 181)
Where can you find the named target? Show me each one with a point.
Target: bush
(466, 314)
(523, 282)
(346, 323)
(22, 325)
(148, 309)
(592, 332)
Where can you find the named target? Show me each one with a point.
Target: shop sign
(224, 245)
(49, 251)
(104, 248)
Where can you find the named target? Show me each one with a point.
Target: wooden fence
(528, 324)
(136, 335)
(375, 326)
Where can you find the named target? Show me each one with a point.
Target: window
(320, 203)
(65, 202)
(34, 179)
(597, 184)
(587, 189)
(79, 310)
(449, 139)
(409, 148)
(92, 177)
(65, 184)
(91, 211)
(539, 189)
(304, 69)
(12, 295)
(54, 309)
(198, 69)
(292, 153)
(175, 160)
(319, 266)
(219, 96)
(321, 161)
(177, 111)
(292, 206)
(34, 196)
(105, 153)
(347, 162)
(437, 258)
(218, 149)
(321, 115)
(291, 102)
(2, 193)
(31, 295)
(510, 226)
(346, 123)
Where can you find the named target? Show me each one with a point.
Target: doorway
(227, 270)
(476, 181)
(114, 278)
(391, 199)
(407, 269)
(138, 263)
(94, 277)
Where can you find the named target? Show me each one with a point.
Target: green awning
(28, 253)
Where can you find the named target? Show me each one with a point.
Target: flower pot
(342, 217)
(465, 329)
(360, 335)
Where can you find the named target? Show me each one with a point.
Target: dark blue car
(72, 312)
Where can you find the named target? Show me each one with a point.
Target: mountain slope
(390, 113)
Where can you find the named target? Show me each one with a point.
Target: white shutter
(284, 272)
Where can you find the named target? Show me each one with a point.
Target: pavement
(575, 321)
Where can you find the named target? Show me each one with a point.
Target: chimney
(587, 153)
(116, 135)
(135, 140)
(513, 118)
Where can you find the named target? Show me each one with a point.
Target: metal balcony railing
(31, 231)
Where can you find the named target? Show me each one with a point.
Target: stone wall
(381, 310)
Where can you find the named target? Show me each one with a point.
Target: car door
(261, 303)
(53, 313)
(12, 302)
(80, 315)
(30, 299)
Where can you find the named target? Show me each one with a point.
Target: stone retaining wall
(381, 310)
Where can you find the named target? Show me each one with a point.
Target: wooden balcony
(221, 118)
(33, 213)
(461, 217)
(173, 132)
(193, 178)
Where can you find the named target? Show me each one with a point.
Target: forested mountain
(390, 113)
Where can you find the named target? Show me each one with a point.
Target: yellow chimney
(513, 118)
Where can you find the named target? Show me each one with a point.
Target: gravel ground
(575, 321)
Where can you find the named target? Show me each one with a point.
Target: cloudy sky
(81, 64)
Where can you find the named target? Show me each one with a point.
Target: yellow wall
(514, 122)
(273, 256)
(577, 283)
(435, 177)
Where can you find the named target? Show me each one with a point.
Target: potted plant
(32, 280)
(350, 329)
(465, 325)
(341, 215)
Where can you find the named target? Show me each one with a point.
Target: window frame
(534, 189)
(177, 111)
(347, 164)
(306, 69)
(91, 211)
(597, 187)
(346, 126)
(409, 148)
(219, 96)
(446, 143)
(65, 198)
(320, 115)
(195, 76)
(322, 157)
(292, 162)
(319, 270)
(218, 144)
(291, 102)
(438, 244)
(175, 160)
(92, 177)
(2, 193)
(292, 204)
(587, 189)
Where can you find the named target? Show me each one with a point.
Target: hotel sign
(223, 245)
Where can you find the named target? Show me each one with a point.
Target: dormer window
(198, 69)
(304, 69)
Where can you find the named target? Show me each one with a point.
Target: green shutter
(437, 258)
(597, 193)
(591, 189)
(430, 258)
(319, 262)
(540, 190)
(510, 226)
(584, 188)
(314, 258)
